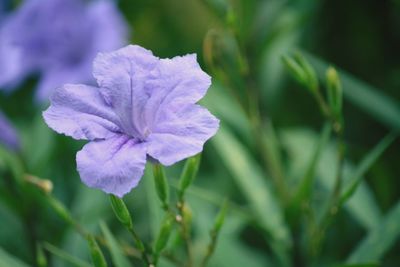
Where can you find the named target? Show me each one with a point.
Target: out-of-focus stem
(185, 230)
(334, 201)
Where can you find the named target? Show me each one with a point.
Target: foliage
(303, 171)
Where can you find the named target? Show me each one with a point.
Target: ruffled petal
(174, 84)
(181, 135)
(122, 76)
(80, 111)
(114, 165)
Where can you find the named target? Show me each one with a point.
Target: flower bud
(43, 184)
(163, 235)
(161, 183)
(40, 256)
(219, 221)
(121, 211)
(334, 88)
(95, 251)
(187, 215)
(189, 173)
(301, 71)
(295, 70)
(311, 76)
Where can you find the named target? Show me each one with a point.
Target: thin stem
(210, 249)
(180, 219)
(140, 246)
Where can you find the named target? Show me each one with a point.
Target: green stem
(180, 219)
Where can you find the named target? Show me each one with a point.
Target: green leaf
(365, 165)
(273, 151)
(117, 254)
(368, 98)
(248, 176)
(362, 206)
(9, 160)
(358, 265)
(65, 256)
(96, 253)
(379, 239)
(8, 260)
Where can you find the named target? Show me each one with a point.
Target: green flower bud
(220, 219)
(163, 235)
(334, 88)
(295, 70)
(95, 251)
(161, 183)
(121, 211)
(311, 76)
(189, 173)
(40, 256)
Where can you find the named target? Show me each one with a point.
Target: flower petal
(8, 135)
(175, 83)
(181, 135)
(121, 76)
(110, 31)
(12, 66)
(81, 112)
(57, 76)
(114, 165)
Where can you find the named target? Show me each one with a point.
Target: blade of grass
(362, 206)
(249, 178)
(379, 239)
(358, 265)
(117, 255)
(65, 256)
(8, 260)
(365, 165)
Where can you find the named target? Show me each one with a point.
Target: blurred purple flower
(8, 135)
(57, 39)
(142, 106)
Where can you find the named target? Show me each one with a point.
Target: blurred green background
(361, 38)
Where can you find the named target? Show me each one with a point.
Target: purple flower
(8, 136)
(143, 106)
(57, 39)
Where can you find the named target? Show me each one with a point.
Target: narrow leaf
(365, 165)
(247, 174)
(358, 265)
(97, 255)
(117, 254)
(8, 260)
(380, 239)
(65, 256)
